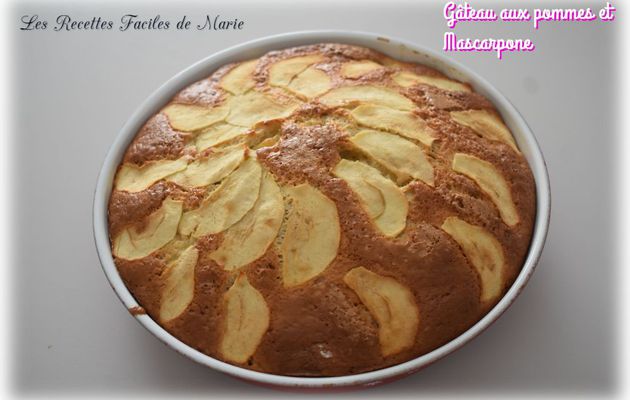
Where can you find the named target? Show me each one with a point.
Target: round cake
(322, 210)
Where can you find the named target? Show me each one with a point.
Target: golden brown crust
(321, 327)
(156, 140)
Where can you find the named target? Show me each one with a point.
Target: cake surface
(322, 210)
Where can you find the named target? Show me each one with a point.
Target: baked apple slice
(246, 321)
(408, 79)
(248, 239)
(312, 235)
(211, 169)
(133, 178)
(191, 117)
(345, 95)
(384, 202)
(356, 69)
(282, 72)
(310, 83)
(485, 124)
(252, 107)
(491, 181)
(218, 134)
(483, 251)
(159, 228)
(354, 173)
(239, 79)
(227, 204)
(404, 123)
(179, 285)
(399, 156)
(392, 305)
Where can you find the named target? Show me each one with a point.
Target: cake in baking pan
(322, 210)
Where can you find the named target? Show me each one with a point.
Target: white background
(72, 91)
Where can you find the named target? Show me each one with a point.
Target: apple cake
(322, 210)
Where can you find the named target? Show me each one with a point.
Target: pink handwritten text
(580, 14)
(451, 43)
(455, 12)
